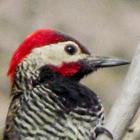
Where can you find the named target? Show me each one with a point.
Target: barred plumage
(48, 100)
(43, 114)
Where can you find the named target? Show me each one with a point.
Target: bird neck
(26, 72)
(32, 73)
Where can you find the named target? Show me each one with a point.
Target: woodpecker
(48, 102)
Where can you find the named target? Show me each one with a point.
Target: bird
(48, 101)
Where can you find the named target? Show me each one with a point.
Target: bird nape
(48, 100)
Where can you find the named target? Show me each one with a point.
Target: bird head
(61, 54)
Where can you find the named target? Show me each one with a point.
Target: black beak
(102, 62)
(92, 63)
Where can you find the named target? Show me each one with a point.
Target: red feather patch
(37, 39)
(67, 69)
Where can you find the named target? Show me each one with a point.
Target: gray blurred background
(106, 27)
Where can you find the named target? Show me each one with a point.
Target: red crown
(37, 39)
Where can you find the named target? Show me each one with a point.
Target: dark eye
(70, 49)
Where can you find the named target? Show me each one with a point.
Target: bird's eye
(70, 49)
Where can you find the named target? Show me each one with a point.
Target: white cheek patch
(55, 54)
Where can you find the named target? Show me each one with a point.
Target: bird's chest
(54, 118)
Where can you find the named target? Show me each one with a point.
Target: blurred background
(106, 27)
